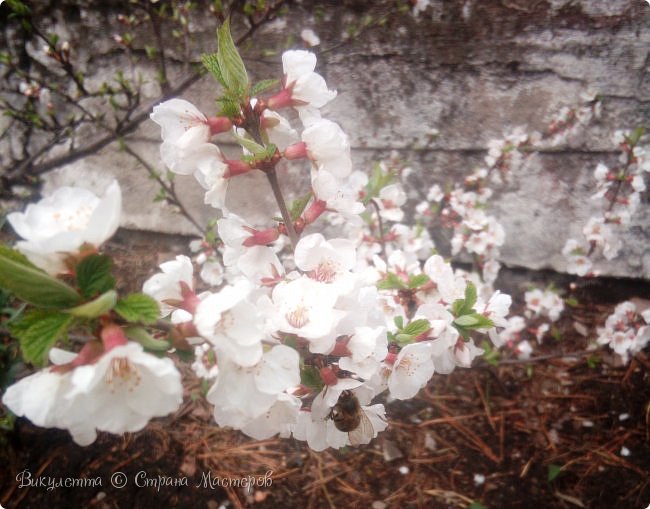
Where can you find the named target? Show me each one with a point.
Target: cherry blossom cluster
(626, 330)
(619, 194)
(464, 207)
(541, 305)
(297, 332)
(294, 327)
(475, 231)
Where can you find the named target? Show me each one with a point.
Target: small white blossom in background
(626, 331)
(544, 303)
(309, 37)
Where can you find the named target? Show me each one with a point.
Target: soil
(566, 429)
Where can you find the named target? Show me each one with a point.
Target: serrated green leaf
(94, 275)
(228, 107)
(298, 206)
(211, 63)
(466, 321)
(553, 471)
(139, 308)
(470, 296)
(140, 335)
(403, 339)
(465, 306)
(263, 86)
(95, 308)
(418, 280)
(417, 327)
(34, 286)
(483, 321)
(230, 62)
(37, 331)
(391, 282)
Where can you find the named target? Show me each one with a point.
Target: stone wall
(471, 69)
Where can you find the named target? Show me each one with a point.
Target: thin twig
(380, 223)
(169, 190)
(286, 217)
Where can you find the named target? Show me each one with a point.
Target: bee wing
(363, 432)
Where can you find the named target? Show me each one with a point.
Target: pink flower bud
(219, 125)
(328, 376)
(390, 359)
(236, 167)
(314, 211)
(190, 299)
(280, 100)
(260, 237)
(296, 151)
(112, 335)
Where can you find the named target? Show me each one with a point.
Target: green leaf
(16, 256)
(593, 361)
(37, 331)
(470, 296)
(140, 335)
(476, 505)
(490, 355)
(298, 206)
(255, 148)
(466, 321)
(399, 322)
(138, 307)
(263, 86)
(230, 62)
(378, 180)
(310, 377)
(553, 471)
(465, 306)
(403, 339)
(211, 63)
(94, 275)
(33, 285)
(228, 107)
(417, 327)
(572, 302)
(95, 308)
(635, 136)
(391, 282)
(483, 321)
(418, 280)
(18, 7)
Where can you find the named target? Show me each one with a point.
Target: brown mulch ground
(514, 424)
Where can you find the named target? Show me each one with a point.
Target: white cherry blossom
(124, 389)
(231, 323)
(166, 285)
(412, 369)
(63, 222)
